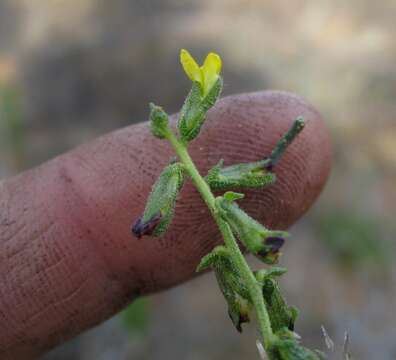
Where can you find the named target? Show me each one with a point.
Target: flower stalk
(229, 239)
(244, 290)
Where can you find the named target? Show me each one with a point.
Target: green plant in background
(355, 240)
(11, 123)
(243, 289)
(135, 317)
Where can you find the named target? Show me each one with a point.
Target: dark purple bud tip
(140, 228)
(272, 247)
(268, 165)
(241, 318)
(270, 252)
(238, 325)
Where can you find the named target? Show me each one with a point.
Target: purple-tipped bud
(270, 253)
(274, 243)
(139, 228)
(268, 165)
(238, 319)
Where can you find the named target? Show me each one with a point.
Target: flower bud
(239, 311)
(253, 174)
(230, 283)
(205, 91)
(281, 315)
(161, 202)
(195, 107)
(297, 126)
(288, 348)
(271, 251)
(219, 256)
(158, 121)
(140, 228)
(263, 243)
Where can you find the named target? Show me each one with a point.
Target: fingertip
(94, 193)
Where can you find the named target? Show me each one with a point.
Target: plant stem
(252, 284)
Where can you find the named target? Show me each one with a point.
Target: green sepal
(286, 347)
(239, 306)
(273, 271)
(159, 120)
(230, 283)
(250, 175)
(294, 312)
(214, 172)
(161, 202)
(255, 174)
(191, 115)
(263, 243)
(214, 259)
(232, 196)
(220, 260)
(212, 96)
(193, 112)
(276, 271)
(239, 311)
(281, 316)
(292, 350)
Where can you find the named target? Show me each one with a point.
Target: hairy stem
(253, 286)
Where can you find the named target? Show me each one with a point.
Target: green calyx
(281, 315)
(193, 112)
(260, 241)
(287, 347)
(249, 175)
(159, 120)
(230, 283)
(286, 344)
(161, 203)
(254, 174)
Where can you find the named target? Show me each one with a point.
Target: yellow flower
(207, 74)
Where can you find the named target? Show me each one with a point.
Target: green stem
(252, 284)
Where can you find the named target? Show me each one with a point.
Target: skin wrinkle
(94, 230)
(90, 265)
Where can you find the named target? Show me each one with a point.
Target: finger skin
(67, 257)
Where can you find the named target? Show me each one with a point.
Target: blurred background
(73, 69)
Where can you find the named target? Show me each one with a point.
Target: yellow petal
(211, 70)
(190, 66)
(213, 61)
